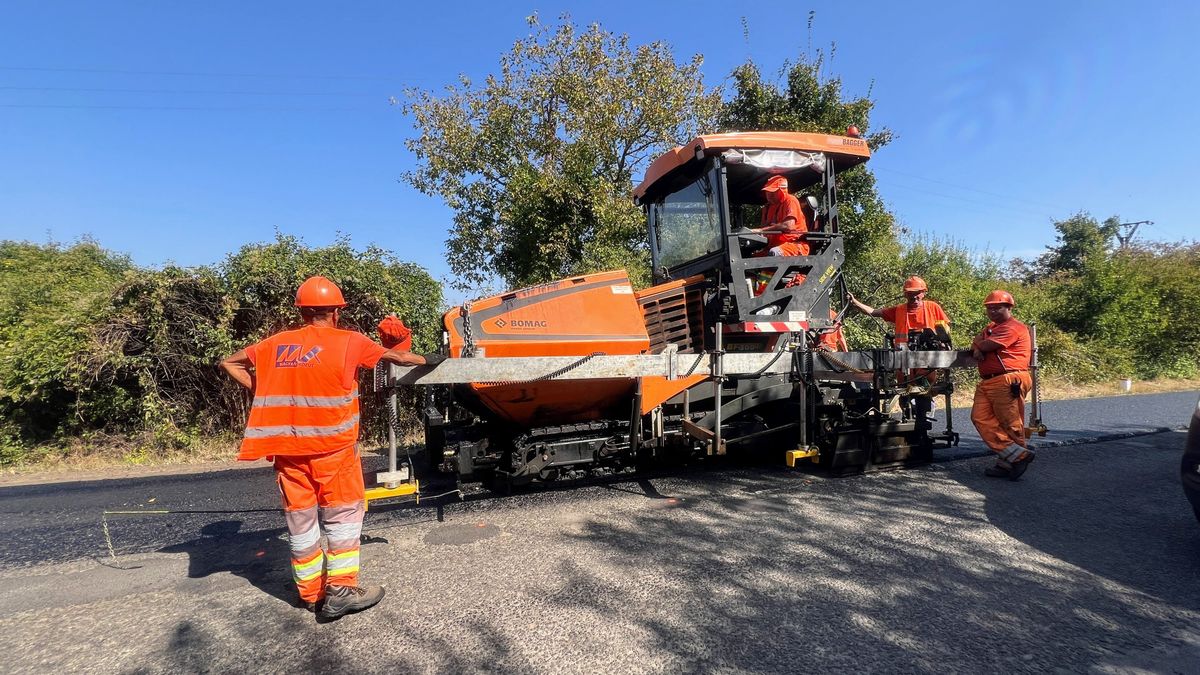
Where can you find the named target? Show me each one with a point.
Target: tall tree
(1080, 238)
(537, 162)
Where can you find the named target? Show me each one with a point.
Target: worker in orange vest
(783, 221)
(305, 417)
(914, 314)
(1003, 351)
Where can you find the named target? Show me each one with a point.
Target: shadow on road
(874, 573)
(260, 557)
(1115, 510)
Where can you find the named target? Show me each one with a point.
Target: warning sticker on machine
(622, 289)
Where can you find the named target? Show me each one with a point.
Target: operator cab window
(687, 224)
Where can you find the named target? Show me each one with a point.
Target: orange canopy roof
(846, 151)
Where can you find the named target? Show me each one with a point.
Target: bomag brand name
(521, 324)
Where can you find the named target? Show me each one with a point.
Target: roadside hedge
(92, 344)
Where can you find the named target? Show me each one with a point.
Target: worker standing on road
(305, 417)
(915, 314)
(1003, 351)
(783, 221)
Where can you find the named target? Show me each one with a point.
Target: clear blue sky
(181, 131)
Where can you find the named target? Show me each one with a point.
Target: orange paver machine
(728, 352)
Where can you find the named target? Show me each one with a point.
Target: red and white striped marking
(767, 327)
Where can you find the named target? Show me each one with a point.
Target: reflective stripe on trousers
(312, 569)
(343, 528)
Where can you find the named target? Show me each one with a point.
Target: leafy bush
(92, 344)
(50, 296)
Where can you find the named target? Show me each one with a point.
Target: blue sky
(177, 132)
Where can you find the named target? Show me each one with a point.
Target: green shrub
(92, 344)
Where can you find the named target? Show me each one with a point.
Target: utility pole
(1129, 229)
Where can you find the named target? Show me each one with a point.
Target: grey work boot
(343, 600)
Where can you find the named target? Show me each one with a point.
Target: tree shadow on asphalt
(886, 572)
(261, 557)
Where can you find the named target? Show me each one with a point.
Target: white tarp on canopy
(776, 159)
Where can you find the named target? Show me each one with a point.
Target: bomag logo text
(521, 324)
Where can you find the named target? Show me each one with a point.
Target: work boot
(1019, 466)
(343, 600)
(997, 471)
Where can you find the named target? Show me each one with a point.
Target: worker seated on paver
(783, 221)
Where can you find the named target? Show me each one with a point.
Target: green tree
(1080, 238)
(537, 162)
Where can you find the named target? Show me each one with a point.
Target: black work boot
(343, 600)
(1019, 466)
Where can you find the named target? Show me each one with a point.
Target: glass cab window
(687, 223)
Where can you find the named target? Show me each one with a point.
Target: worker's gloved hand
(1015, 389)
(394, 334)
(433, 358)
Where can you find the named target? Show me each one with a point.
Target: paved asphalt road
(1088, 564)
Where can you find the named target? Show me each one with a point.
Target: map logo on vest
(288, 356)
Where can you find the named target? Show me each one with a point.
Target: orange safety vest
(303, 402)
(928, 317)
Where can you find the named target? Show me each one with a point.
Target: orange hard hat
(775, 183)
(913, 284)
(319, 292)
(1000, 298)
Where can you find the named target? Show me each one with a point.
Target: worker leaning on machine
(305, 418)
(914, 314)
(1004, 350)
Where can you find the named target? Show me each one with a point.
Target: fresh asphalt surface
(1087, 564)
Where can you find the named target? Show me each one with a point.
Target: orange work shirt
(788, 207)
(1015, 352)
(928, 315)
(834, 340)
(306, 391)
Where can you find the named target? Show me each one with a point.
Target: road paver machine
(729, 352)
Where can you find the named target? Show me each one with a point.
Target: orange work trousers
(322, 493)
(999, 416)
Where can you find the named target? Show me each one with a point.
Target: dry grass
(117, 456)
(106, 456)
(1057, 390)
